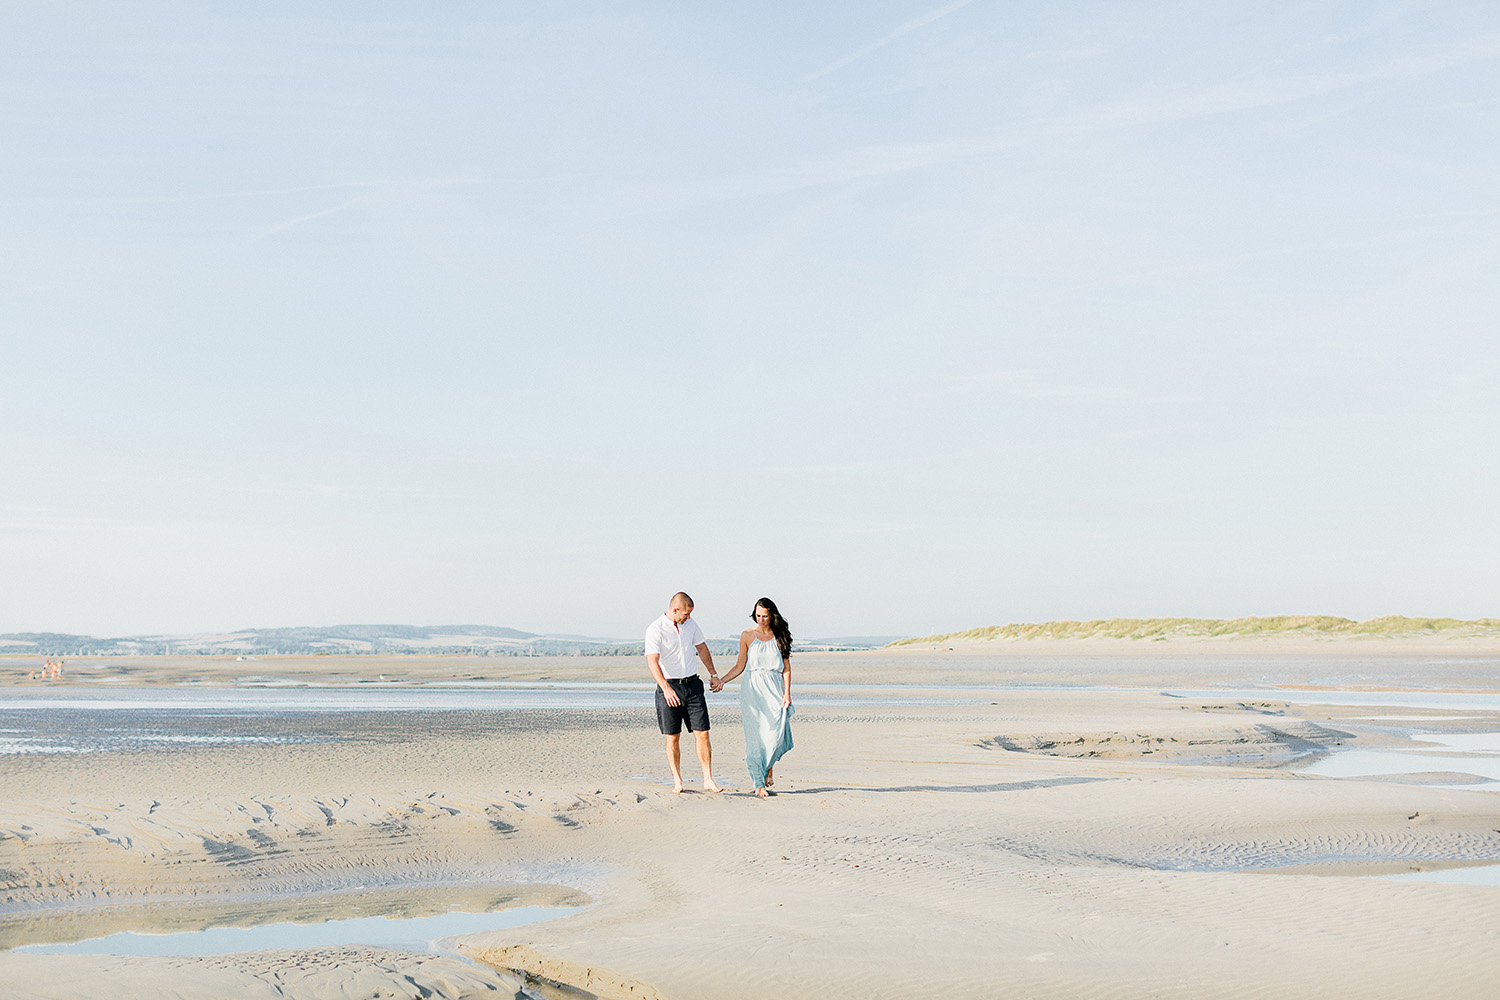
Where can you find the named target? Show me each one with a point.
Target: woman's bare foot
(762, 793)
(769, 782)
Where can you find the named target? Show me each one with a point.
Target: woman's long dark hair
(779, 628)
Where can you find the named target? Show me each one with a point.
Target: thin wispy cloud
(50, 524)
(1244, 94)
(1033, 385)
(1248, 94)
(261, 193)
(904, 29)
(839, 167)
(419, 184)
(311, 490)
(874, 161)
(293, 223)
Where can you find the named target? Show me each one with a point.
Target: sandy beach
(1092, 399)
(980, 822)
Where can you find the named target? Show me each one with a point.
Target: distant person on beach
(671, 643)
(765, 693)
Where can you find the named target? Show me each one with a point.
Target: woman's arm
(786, 681)
(739, 665)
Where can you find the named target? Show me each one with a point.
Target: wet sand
(1027, 843)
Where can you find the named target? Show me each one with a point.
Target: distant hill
(1310, 626)
(385, 640)
(480, 640)
(847, 642)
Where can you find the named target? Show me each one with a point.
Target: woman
(766, 692)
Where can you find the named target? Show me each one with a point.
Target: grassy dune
(1311, 626)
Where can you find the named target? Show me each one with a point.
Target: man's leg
(706, 758)
(674, 760)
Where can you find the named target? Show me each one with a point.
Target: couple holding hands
(674, 639)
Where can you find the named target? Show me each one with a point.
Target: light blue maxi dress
(768, 726)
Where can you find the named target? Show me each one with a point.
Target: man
(671, 641)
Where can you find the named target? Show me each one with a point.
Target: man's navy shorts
(693, 707)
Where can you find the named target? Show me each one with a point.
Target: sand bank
(1025, 843)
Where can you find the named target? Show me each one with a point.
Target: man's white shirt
(676, 645)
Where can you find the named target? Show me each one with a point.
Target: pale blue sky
(913, 316)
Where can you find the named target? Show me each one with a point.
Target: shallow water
(510, 695)
(1468, 701)
(1465, 753)
(1475, 875)
(450, 696)
(417, 934)
(91, 719)
(95, 718)
(407, 918)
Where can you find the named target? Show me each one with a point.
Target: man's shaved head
(681, 598)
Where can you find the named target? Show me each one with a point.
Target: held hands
(716, 683)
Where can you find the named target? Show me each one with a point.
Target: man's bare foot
(762, 793)
(711, 786)
(677, 787)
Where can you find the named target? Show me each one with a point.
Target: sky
(912, 316)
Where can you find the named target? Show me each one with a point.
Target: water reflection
(1476, 754)
(1472, 875)
(406, 919)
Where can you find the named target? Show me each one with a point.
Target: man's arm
(654, 662)
(708, 661)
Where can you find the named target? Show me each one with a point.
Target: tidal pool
(1462, 753)
(1471, 875)
(406, 920)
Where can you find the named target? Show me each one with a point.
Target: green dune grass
(1315, 626)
